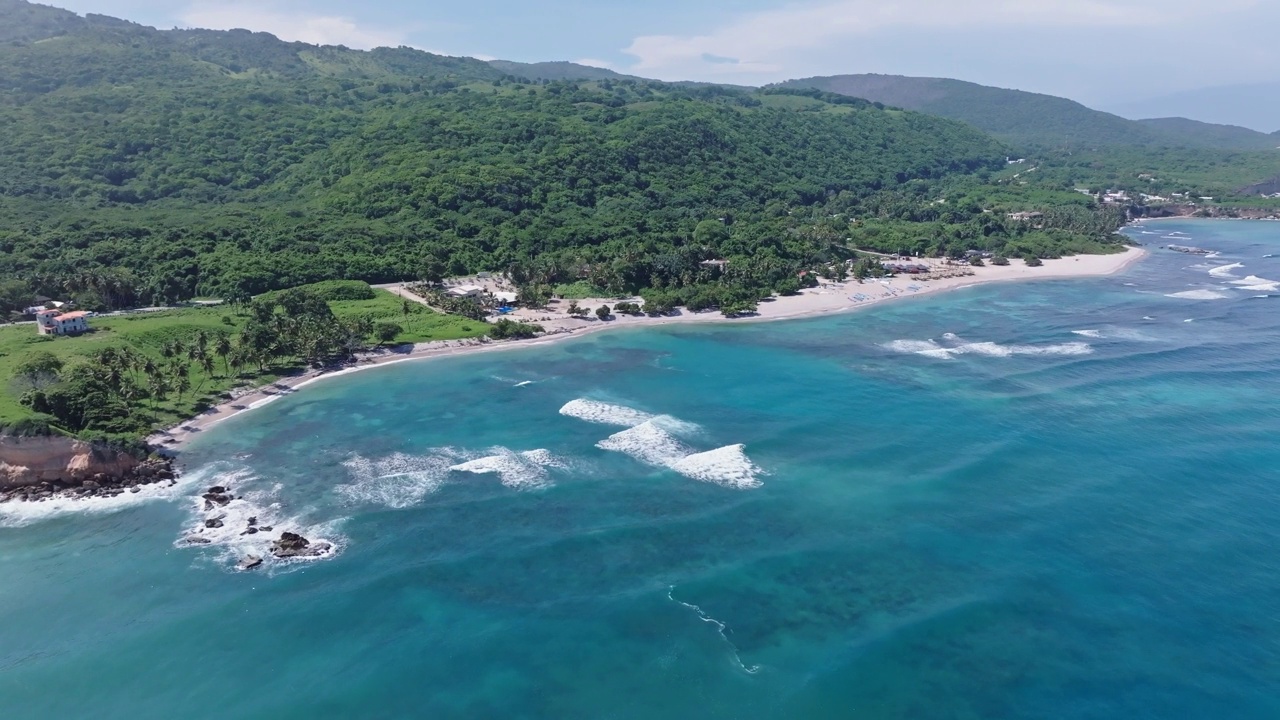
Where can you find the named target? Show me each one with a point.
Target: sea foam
(1198, 295)
(929, 348)
(1224, 271)
(650, 444)
(728, 466)
(21, 514)
(399, 480)
(233, 540)
(521, 471)
(1257, 284)
(601, 413)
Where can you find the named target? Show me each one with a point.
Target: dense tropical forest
(1072, 146)
(146, 166)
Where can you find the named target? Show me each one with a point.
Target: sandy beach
(825, 299)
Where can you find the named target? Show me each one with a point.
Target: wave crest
(1198, 295)
(518, 470)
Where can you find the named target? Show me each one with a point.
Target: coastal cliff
(54, 464)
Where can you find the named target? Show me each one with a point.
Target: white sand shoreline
(815, 302)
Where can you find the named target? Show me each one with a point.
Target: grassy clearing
(149, 333)
(421, 324)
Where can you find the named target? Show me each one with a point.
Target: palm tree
(183, 385)
(206, 365)
(158, 384)
(222, 348)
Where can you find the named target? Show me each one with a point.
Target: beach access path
(827, 298)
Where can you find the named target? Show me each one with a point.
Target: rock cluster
(289, 545)
(293, 545)
(151, 472)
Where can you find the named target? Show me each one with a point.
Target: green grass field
(421, 324)
(150, 332)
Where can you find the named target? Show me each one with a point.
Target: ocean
(1030, 500)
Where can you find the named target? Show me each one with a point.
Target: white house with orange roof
(56, 322)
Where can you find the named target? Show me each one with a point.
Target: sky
(1100, 52)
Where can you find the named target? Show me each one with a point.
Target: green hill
(1033, 120)
(558, 71)
(160, 165)
(1194, 133)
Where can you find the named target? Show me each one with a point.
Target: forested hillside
(154, 166)
(1031, 119)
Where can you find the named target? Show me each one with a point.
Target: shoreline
(827, 299)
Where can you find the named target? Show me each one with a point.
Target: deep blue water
(1056, 499)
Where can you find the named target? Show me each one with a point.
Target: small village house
(56, 322)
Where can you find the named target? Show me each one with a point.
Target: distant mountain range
(1031, 119)
(1021, 118)
(1251, 106)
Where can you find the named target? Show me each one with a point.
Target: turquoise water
(1056, 499)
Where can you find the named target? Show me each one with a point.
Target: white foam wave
(991, 349)
(398, 480)
(929, 348)
(1198, 295)
(1116, 333)
(1257, 284)
(21, 514)
(728, 466)
(1223, 271)
(522, 471)
(603, 413)
(650, 444)
(235, 538)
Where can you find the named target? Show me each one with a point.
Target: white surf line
(720, 627)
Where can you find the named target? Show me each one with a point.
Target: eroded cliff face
(27, 461)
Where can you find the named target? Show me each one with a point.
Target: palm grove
(118, 389)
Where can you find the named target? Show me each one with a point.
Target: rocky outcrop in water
(293, 545)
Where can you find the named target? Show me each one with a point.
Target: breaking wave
(1257, 284)
(728, 466)
(602, 413)
(1115, 333)
(518, 470)
(652, 445)
(397, 481)
(1224, 271)
(930, 348)
(1198, 295)
(647, 443)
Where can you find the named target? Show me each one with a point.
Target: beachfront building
(56, 322)
(465, 291)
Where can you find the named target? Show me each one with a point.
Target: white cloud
(761, 44)
(292, 25)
